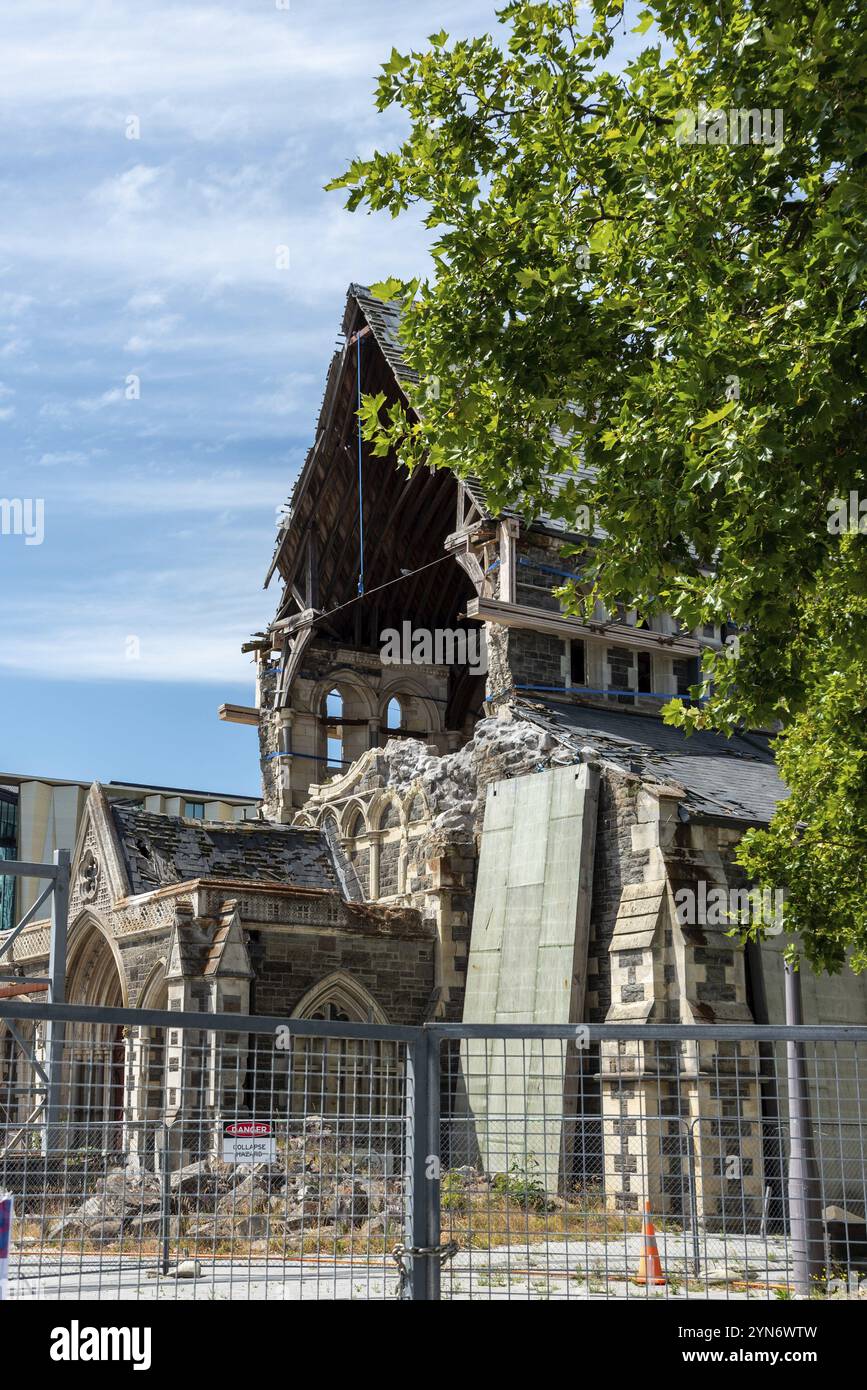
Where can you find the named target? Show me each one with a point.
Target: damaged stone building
(441, 841)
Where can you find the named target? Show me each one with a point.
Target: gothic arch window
(355, 845)
(347, 995)
(390, 859)
(93, 973)
(328, 821)
(420, 714)
(345, 707)
(331, 1013)
(350, 1078)
(155, 991)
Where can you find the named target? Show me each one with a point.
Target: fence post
(55, 1033)
(163, 1141)
(434, 1152)
(804, 1194)
(422, 1165)
(693, 1192)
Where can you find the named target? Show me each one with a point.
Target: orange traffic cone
(650, 1269)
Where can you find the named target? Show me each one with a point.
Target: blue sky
(155, 257)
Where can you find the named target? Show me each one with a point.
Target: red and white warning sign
(249, 1141)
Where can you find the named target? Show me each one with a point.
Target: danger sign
(249, 1141)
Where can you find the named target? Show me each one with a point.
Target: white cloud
(131, 192)
(66, 456)
(291, 395)
(186, 245)
(146, 299)
(230, 491)
(189, 620)
(155, 333)
(170, 651)
(114, 396)
(12, 304)
(120, 51)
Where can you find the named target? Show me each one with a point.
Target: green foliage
(88, 1157)
(691, 317)
(453, 1193)
(818, 839)
(522, 1185)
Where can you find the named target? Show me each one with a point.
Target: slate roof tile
(732, 778)
(160, 850)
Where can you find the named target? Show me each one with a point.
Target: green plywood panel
(527, 962)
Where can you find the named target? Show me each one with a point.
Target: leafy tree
(687, 319)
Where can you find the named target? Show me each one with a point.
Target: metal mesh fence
(188, 1163)
(569, 1167)
(155, 1155)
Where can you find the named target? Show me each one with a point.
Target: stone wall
(292, 738)
(536, 558)
(617, 863)
(397, 970)
(536, 659)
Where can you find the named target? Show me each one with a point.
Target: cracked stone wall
(412, 820)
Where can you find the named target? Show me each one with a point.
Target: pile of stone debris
(455, 785)
(317, 1186)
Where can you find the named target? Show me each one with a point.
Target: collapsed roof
(161, 850)
(384, 322)
(406, 516)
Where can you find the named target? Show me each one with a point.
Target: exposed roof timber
(238, 714)
(470, 565)
(380, 322)
(342, 505)
(560, 625)
(335, 370)
(297, 620)
(406, 517)
(401, 495)
(364, 314)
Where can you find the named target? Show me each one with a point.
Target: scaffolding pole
(55, 1032)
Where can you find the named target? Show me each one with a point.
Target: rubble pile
(319, 1185)
(455, 785)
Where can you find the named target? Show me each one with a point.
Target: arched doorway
(95, 1053)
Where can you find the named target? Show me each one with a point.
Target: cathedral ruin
(438, 841)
